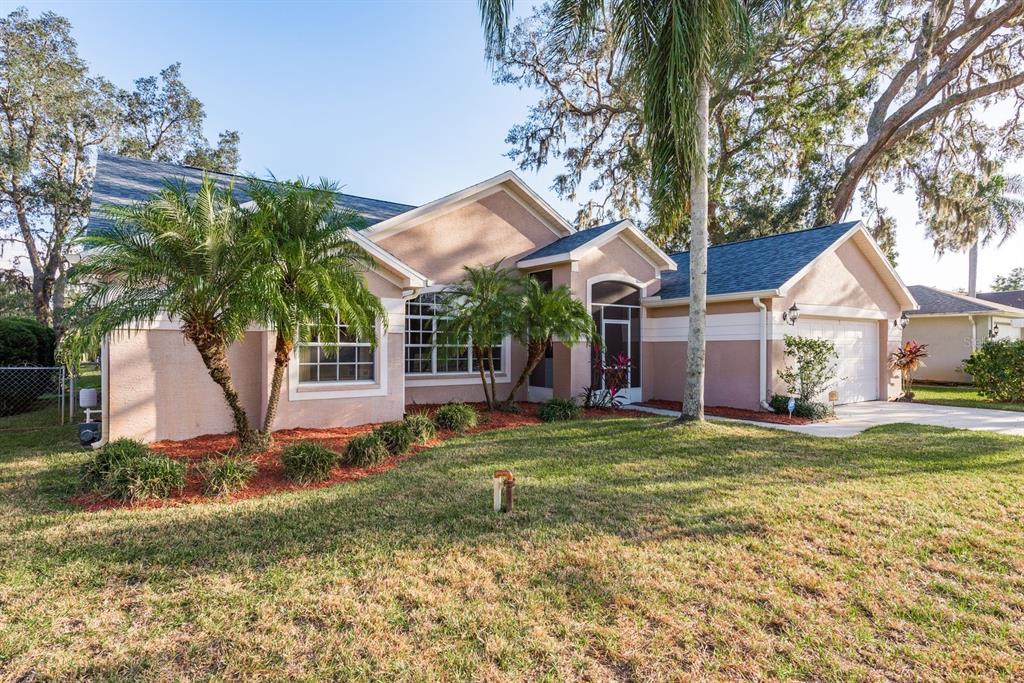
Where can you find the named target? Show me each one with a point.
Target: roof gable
(756, 265)
(507, 181)
(122, 180)
(573, 246)
(934, 301)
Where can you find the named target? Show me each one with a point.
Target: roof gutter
(658, 302)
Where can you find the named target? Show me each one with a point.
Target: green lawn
(966, 397)
(637, 552)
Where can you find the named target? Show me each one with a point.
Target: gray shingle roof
(122, 180)
(1015, 299)
(754, 265)
(936, 301)
(566, 244)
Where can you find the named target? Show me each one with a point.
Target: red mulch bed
(270, 477)
(735, 413)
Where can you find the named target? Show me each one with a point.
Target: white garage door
(857, 345)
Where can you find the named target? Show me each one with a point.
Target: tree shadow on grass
(576, 480)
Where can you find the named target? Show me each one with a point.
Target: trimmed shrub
(24, 341)
(365, 451)
(96, 472)
(811, 410)
(308, 461)
(998, 370)
(229, 474)
(455, 416)
(151, 476)
(397, 437)
(421, 426)
(559, 409)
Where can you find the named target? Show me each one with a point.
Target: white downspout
(104, 396)
(974, 334)
(762, 354)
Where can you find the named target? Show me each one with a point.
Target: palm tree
(177, 254)
(478, 311)
(311, 275)
(545, 314)
(966, 209)
(671, 49)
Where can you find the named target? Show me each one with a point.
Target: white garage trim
(857, 369)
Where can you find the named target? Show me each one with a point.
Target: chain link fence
(35, 396)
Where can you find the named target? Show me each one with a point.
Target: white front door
(857, 369)
(615, 337)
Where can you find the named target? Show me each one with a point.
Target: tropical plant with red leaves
(907, 359)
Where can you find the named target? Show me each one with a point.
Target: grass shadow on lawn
(575, 479)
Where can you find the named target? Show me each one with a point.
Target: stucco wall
(949, 343)
(730, 373)
(158, 387)
(494, 229)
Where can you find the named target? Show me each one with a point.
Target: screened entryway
(616, 364)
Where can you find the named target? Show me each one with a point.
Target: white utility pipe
(104, 394)
(974, 334)
(762, 353)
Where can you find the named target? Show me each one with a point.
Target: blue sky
(392, 99)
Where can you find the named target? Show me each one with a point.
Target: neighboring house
(155, 386)
(954, 325)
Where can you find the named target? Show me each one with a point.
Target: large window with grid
(426, 353)
(336, 357)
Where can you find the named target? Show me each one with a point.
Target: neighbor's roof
(754, 265)
(575, 240)
(122, 180)
(932, 301)
(1015, 298)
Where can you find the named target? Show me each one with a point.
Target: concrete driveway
(856, 417)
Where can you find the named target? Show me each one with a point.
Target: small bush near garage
(811, 410)
(397, 437)
(308, 461)
(559, 409)
(811, 366)
(365, 451)
(226, 475)
(96, 472)
(151, 476)
(421, 427)
(455, 417)
(998, 370)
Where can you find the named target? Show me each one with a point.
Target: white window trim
(312, 391)
(437, 379)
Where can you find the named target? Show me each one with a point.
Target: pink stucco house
(833, 277)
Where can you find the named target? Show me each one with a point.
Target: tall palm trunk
(534, 354)
(214, 352)
(282, 355)
(972, 270)
(693, 398)
(490, 371)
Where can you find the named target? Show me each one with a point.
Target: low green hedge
(226, 475)
(558, 409)
(808, 409)
(365, 451)
(397, 437)
(95, 474)
(151, 476)
(455, 416)
(308, 461)
(421, 427)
